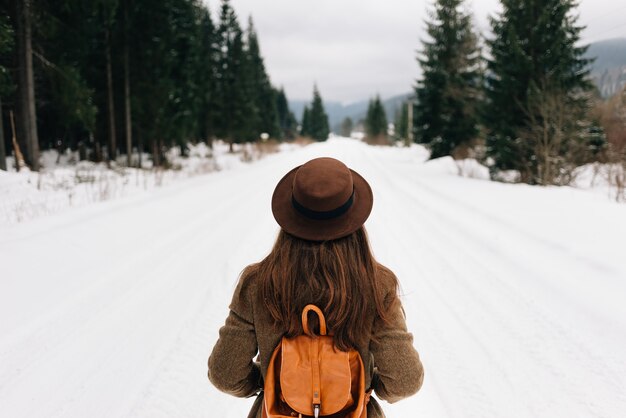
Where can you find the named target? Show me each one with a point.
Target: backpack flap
(297, 380)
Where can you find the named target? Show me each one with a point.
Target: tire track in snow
(456, 382)
(448, 227)
(56, 344)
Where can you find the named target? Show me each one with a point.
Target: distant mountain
(609, 69)
(337, 111)
(391, 105)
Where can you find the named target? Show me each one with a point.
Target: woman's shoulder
(386, 278)
(248, 283)
(245, 294)
(248, 278)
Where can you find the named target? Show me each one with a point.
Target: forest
(121, 80)
(111, 77)
(519, 99)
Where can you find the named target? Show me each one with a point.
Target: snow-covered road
(516, 295)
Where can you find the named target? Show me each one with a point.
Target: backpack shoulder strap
(305, 319)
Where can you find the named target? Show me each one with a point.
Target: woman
(322, 257)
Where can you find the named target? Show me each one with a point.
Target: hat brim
(296, 224)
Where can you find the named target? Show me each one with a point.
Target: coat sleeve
(398, 371)
(231, 366)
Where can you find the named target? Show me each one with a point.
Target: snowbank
(65, 182)
(468, 167)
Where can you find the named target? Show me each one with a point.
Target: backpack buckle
(316, 410)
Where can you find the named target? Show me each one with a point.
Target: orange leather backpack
(309, 376)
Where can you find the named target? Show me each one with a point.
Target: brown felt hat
(322, 200)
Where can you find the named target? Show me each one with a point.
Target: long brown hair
(340, 276)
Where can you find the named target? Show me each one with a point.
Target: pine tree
(161, 80)
(346, 127)
(262, 91)
(282, 107)
(6, 84)
(305, 128)
(318, 119)
(376, 120)
(208, 73)
(537, 78)
(238, 110)
(286, 119)
(291, 127)
(75, 80)
(185, 101)
(447, 95)
(401, 122)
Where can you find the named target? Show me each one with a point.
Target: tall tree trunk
(26, 84)
(21, 122)
(155, 153)
(3, 153)
(139, 150)
(208, 133)
(127, 118)
(19, 158)
(30, 78)
(97, 154)
(82, 151)
(111, 107)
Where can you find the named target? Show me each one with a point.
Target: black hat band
(323, 215)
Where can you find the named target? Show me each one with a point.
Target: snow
(514, 293)
(601, 178)
(468, 167)
(64, 182)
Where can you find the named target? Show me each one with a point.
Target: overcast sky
(353, 49)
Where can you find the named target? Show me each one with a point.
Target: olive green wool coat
(393, 367)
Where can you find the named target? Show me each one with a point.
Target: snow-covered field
(516, 295)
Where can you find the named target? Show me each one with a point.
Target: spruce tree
(376, 119)
(305, 128)
(160, 81)
(286, 119)
(291, 127)
(318, 119)
(537, 78)
(447, 95)
(401, 122)
(207, 77)
(346, 127)
(263, 94)
(186, 102)
(234, 89)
